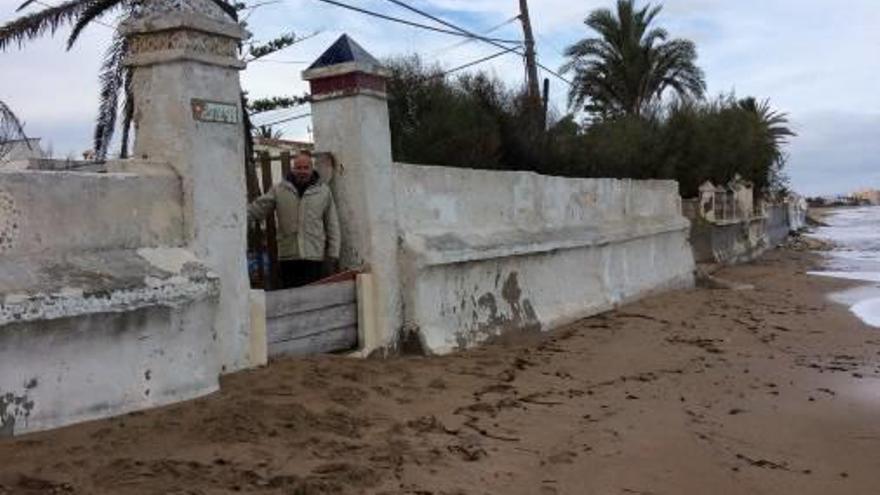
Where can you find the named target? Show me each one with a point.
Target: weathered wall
(53, 212)
(777, 223)
(745, 238)
(189, 54)
(728, 242)
(93, 334)
(485, 252)
(129, 289)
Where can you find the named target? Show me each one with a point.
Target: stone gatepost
(350, 119)
(184, 57)
(707, 201)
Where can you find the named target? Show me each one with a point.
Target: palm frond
(112, 79)
(25, 5)
(630, 64)
(127, 114)
(95, 9)
(33, 26)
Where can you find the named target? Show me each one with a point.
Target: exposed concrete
(720, 234)
(99, 333)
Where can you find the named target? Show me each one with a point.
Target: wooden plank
(271, 234)
(339, 339)
(309, 298)
(300, 325)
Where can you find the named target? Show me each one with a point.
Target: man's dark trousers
(296, 273)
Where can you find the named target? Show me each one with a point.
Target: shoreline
(770, 390)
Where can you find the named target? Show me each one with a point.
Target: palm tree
(774, 124)
(772, 134)
(630, 65)
(11, 129)
(115, 78)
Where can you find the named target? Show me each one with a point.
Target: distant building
(870, 196)
(278, 146)
(275, 147)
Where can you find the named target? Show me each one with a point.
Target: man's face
(301, 169)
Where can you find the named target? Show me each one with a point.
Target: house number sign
(214, 111)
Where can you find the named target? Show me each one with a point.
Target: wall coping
(474, 171)
(183, 20)
(448, 247)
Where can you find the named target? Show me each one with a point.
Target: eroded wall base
(64, 371)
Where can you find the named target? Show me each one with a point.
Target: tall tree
(773, 133)
(631, 64)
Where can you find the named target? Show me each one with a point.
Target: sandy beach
(774, 390)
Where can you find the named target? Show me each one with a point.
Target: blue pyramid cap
(344, 50)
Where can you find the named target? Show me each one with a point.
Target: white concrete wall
(487, 252)
(55, 212)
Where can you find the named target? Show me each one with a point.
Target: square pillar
(187, 96)
(350, 119)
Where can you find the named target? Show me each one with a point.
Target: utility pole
(534, 90)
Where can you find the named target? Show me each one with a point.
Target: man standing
(308, 226)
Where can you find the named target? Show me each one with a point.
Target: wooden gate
(313, 319)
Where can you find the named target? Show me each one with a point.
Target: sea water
(855, 233)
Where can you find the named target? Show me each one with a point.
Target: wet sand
(774, 390)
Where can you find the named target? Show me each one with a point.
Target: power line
(465, 42)
(464, 31)
(289, 119)
(292, 62)
(475, 62)
(418, 25)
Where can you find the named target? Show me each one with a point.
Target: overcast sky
(817, 60)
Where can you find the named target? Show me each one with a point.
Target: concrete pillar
(350, 119)
(184, 56)
(707, 201)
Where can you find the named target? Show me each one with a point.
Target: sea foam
(855, 233)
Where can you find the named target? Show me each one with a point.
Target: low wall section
(487, 252)
(101, 310)
(742, 239)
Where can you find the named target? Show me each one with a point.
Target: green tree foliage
(630, 65)
(469, 121)
(475, 121)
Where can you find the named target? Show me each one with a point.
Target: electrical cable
(464, 31)
(289, 119)
(465, 42)
(475, 62)
(416, 24)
